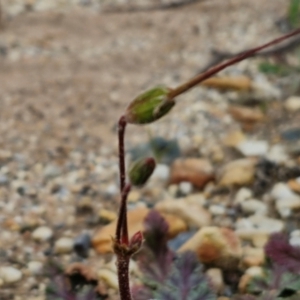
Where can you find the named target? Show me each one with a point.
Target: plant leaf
(186, 281)
(155, 259)
(282, 253)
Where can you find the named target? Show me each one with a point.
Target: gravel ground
(69, 68)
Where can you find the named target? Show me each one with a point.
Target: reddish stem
(122, 229)
(214, 70)
(123, 209)
(123, 277)
(121, 131)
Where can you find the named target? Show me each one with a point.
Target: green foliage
(164, 276)
(275, 69)
(275, 283)
(186, 281)
(294, 13)
(281, 279)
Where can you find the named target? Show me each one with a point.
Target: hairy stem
(121, 238)
(123, 276)
(214, 70)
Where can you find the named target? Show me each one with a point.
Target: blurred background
(68, 68)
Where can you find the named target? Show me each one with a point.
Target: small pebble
(217, 210)
(109, 277)
(134, 196)
(63, 245)
(51, 171)
(286, 199)
(292, 104)
(42, 234)
(237, 172)
(216, 278)
(35, 267)
(161, 172)
(242, 195)
(253, 206)
(10, 274)
(253, 148)
(185, 187)
(107, 216)
(112, 190)
(255, 271)
(295, 233)
(82, 245)
(277, 154)
(258, 228)
(295, 241)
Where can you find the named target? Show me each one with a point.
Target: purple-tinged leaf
(140, 292)
(156, 259)
(282, 253)
(274, 283)
(186, 281)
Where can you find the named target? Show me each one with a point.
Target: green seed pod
(141, 171)
(149, 106)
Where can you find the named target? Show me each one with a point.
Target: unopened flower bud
(136, 241)
(141, 171)
(149, 106)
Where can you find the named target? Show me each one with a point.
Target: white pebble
(42, 233)
(278, 154)
(63, 245)
(295, 241)
(35, 267)
(109, 277)
(10, 274)
(253, 206)
(253, 148)
(255, 271)
(292, 103)
(161, 172)
(286, 199)
(112, 189)
(185, 187)
(217, 210)
(295, 233)
(282, 191)
(242, 195)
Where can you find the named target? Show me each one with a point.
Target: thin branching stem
(214, 70)
(121, 232)
(123, 208)
(121, 133)
(122, 226)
